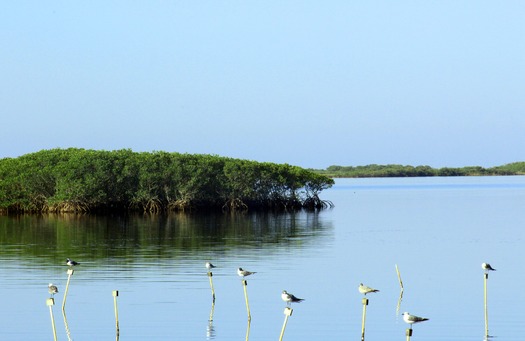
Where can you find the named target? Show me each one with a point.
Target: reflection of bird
(209, 266)
(289, 298)
(52, 289)
(244, 273)
(71, 262)
(365, 290)
(411, 319)
(487, 267)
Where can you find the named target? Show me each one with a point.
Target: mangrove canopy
(79, 180)
(385, 171)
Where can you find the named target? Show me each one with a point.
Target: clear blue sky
(309, 83)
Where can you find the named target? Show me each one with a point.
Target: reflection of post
(210, 330)
(401, 292)
(399, 302)
(69, 274)
(244, 284)
(210, 275)
(399, 278)
(365, 303)
(409, 333)
(51, 302)
(486, 309)
(212, 310)
(66, 325)
(115, 295)
(287, 313)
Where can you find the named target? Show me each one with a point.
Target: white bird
(365, 290)
(244, 273)
(71, 262)
(487, 267)
(411, 319)
(290, 298)
(52, 289)
(209, 266)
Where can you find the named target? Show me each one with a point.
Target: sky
(308, 83)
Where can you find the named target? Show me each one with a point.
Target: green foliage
(372, 171)
(516, 168)
(78, 180)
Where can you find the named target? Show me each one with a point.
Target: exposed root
(235, 205)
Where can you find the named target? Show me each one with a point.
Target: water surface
(437, 230)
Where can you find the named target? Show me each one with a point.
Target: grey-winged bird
(365, 289)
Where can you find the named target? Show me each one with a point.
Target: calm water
(437, 230)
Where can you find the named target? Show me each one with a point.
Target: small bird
(52, 289)
(289, 298)
(210, 266)
(411, 319)
(487, 267)
(71, 262)
(365, 290)
(244, 273)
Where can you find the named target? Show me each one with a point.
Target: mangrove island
(79, 180)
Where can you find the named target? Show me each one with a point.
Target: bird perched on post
(244, 273)
(411, 319)
(71, 262)
(487, 267)
(290, 298)
(52, 289)
(366, 290)
(210, 266)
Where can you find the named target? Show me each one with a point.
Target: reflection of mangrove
(44, 236)
(78, 180)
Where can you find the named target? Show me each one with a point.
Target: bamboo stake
(115, 295)
(399, 278)
(486, 276)
(365, 303)
(245, 283)
(409, 333)
(51, 302)
(70, 273)
(211, 311)
(287, 313)
(210, 275)
(248, 330)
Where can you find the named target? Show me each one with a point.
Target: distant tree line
(79, 180)
(381, 171)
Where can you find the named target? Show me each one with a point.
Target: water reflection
(158, 264)
(43, 237)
